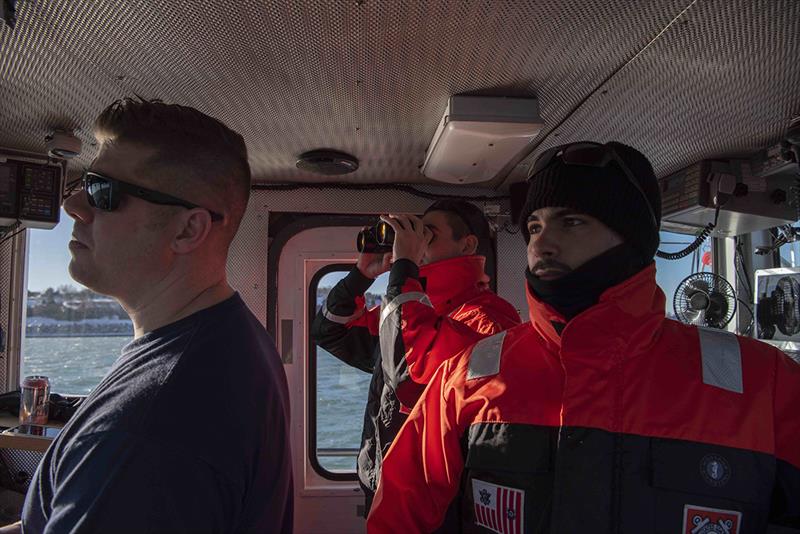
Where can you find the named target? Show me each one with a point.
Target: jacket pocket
(701, 488)
(508, 478)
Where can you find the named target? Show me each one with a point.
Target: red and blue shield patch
(702, 520)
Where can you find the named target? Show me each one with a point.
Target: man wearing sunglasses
(600, 415)
(144, 453)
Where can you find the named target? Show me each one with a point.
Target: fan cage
(721, 300)
(786, 306)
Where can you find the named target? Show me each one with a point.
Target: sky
(49, 258)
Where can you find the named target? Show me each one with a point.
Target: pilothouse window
(670, 273)
(71, 334)
(340, 390)
(790, 254)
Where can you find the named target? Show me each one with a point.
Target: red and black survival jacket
(428, 315)
(625, 422)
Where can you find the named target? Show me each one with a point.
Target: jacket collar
(626, 313)
(451, 282)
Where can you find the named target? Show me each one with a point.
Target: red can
(34, 400)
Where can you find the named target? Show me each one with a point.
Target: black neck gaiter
(580, 289)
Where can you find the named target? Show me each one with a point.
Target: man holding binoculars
(437, 303)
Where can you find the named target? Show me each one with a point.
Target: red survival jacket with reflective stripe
(429, 314)
(433, 313)
(626, 422)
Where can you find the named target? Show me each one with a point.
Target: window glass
(790, 254)
(341, 391)
(72, 335)
(670, 273)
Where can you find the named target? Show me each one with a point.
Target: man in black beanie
(600, 415)
(605, 200)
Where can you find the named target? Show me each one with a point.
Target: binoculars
(377, 239)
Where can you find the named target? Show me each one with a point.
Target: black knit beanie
(605, 193)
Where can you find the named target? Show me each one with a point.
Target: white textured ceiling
(679, 80)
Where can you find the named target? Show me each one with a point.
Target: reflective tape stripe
(401, 299)
(485, 357)
(722, 359)
(341, 319)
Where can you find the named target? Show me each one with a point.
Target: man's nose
(544, 244)
(77, 207)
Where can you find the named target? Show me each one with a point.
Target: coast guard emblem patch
(715, 469)
(498, 508)
(701, 520)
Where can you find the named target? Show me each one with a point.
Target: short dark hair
(457, 224)
(193, 150)
(465, 218)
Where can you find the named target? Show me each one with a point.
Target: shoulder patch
(484, 360)
(722, 359)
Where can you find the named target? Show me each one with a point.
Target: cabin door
(328, 396)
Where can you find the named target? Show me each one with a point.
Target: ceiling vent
(327, 162)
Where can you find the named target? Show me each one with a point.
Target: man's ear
(193, 232)
(470, 245)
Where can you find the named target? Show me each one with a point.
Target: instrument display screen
(30, 193)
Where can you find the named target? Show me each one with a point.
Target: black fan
(705, 299)
(781, 309)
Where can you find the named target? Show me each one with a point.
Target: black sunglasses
(105, 193)
(589, 155)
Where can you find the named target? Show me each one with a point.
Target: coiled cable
(694, 245)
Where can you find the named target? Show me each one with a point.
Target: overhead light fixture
(62, 144)
(327, 162)
(479, 137)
